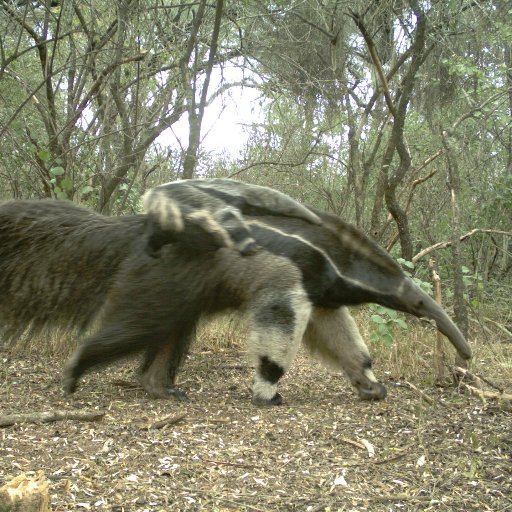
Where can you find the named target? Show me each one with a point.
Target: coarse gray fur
(340, 267)
(57, 263)
(61, 265)
(225, 200)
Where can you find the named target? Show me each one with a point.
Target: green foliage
(473, 283)
(500, 198)
(426, 286)
(385, 320)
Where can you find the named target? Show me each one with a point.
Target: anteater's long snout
(418, 303)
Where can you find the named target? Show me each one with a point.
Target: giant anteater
(171, 205)
(296, 289)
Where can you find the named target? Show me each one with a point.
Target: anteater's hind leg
(154, 306)
(116, 341)
(160, 368)
(279, 319)
(333, 336)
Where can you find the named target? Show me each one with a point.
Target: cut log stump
(25, 494)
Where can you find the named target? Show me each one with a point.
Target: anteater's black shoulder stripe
(322, 278)
(290, 245)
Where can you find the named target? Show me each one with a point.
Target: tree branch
(444, 245)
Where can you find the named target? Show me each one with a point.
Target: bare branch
(444, 245)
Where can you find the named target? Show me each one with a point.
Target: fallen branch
(463, 372)
(479, 381)
(420, 393)
(49, 416)
(482, 393)
(357, 444)
(169, 420)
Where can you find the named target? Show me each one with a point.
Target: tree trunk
(196, 112)
(459, 307)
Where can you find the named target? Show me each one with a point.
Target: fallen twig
(234, 464)
(463, 372)
(49, 416)
(169, 420)
(420, 393)
(398, 497)
(398, 456)
(357, 444)
(479, 381)
(482, 393)
(130, 385)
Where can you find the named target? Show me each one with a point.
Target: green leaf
(392, 314)
(401, 323)
(387, 339)
(377, 319)
(44, 155)
(57, 171)
(86, 190)
(66, 184)
(405, 263)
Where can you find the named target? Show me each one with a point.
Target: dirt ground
(323, 450)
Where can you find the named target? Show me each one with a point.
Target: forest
(395, 115)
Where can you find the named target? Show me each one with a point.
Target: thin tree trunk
(460, 308)
(508, 63)
(196, 112)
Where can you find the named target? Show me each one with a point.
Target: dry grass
(409, 358)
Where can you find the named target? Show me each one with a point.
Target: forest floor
(323, 450)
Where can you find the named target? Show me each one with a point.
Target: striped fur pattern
(218, 205)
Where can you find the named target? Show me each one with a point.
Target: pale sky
(224, 120)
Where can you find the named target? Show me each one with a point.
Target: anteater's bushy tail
(57, 263)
